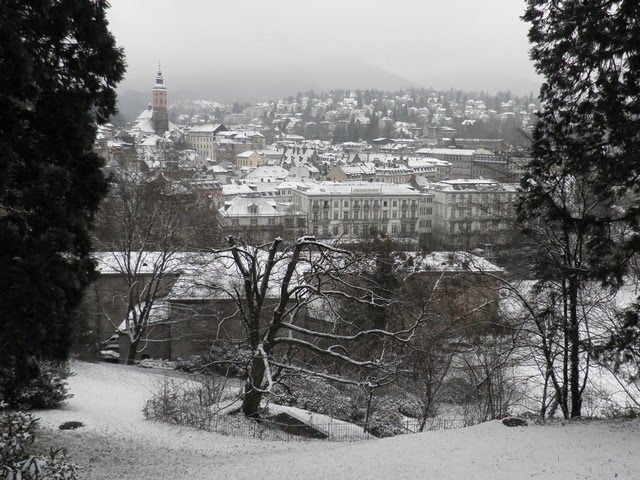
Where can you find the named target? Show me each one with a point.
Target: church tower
(160, 114)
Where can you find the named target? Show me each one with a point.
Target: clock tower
(160, 114)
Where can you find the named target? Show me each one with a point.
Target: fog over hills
(255, 50)
(250, 83)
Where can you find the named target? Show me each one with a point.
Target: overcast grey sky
(470, 44)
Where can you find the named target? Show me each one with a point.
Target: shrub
(47, 390)
(17, 433)
(385, 423)
(185, 402)
(344, 402)
(223, 358)
(348, 403)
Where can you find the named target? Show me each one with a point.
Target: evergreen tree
(372, 130)
(589, 126)
(583, 180)
(352, 130)
(58, 69)
(340, 135)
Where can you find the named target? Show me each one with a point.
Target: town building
(230, 144)
(486, 164)
(250, 158)
(430, 168)
(398, 174)
(473, 212)
(195, 304)
(352, 172)
(468, 164)
(202, 139)
(460, 159)
(359, 210)
(258, 219)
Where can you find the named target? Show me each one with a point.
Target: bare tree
(460, 315)
(490, 366)
(277, 286)
(143, 229)
(428, 364)
(544, 317)
(315, 309)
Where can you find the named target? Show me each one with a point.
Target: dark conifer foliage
(58, 68)
(581, 204)
(589, 55)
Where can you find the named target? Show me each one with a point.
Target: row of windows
(367, 203)
(355, 215)
(485, 226)
(271, 222)
(363, 230)
(253, 222)
(463, 212)
(483, 198)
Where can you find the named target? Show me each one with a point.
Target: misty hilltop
(250, 83)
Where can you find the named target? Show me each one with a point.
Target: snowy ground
(117, 443)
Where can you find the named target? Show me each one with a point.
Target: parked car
(110, 349)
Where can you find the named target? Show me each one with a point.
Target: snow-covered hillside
(117, 443)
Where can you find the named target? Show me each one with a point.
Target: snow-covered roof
(445, 151)
(426, 162)
(477, 184)
(456, 261)
(394, 170)
(216, 169)
(214, 276)
(358, 169)
(252, 205)
(268, 171)
(159, 312)
(362, 188)
(248, 153)
(144, 263)
(145, 125)
(150, 141)
(234, 189)
(207, 128)
(290, 184)
(145, 115)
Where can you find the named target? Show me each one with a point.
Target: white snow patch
(118, 443)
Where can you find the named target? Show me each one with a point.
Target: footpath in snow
(118, 443)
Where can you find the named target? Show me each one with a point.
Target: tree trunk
(252, 395)
(427, 402)
(366, 419)
(563, 398)
(545, 389)
(574, 354)
(251, 401)
(131, 354)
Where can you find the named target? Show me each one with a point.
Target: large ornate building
(358, 210)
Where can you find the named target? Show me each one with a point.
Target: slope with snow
(117, 443)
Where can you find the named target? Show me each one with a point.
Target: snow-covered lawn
(117, 443)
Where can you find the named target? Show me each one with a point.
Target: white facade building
(477, 210)
(256, 218)
(358, 210)
(202, 139)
